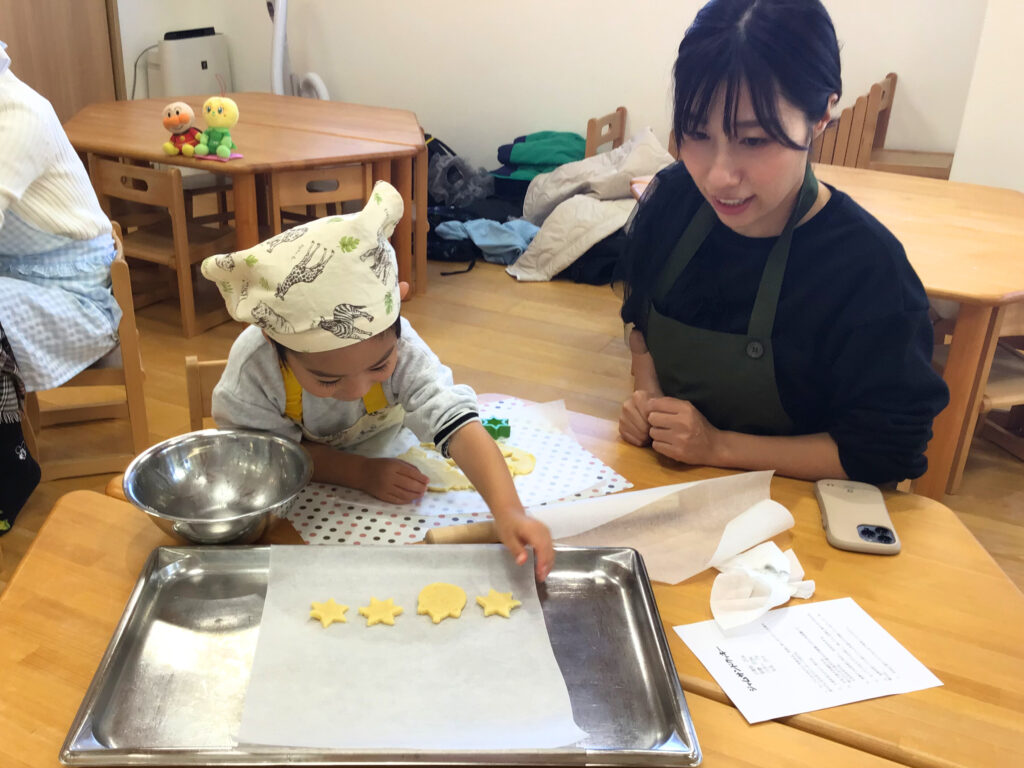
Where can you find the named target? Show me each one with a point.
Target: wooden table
(966, 243)
(282, 133)
(942, 597)
(964, 620)
(60, 609)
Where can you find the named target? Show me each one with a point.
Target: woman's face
(750, 179)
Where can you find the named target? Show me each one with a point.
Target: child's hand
(517, 531)
(393, 481)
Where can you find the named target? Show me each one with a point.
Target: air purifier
(188, 62)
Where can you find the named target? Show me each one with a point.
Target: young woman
(777, 324)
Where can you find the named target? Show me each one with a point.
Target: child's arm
(389, 480)
(478, 456)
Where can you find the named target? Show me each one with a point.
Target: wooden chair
(120, 368)
(328, 186)
(1001, 406)
(601, 130)
(200, 379)
(857, 139)
(197, 185)
(162, 233)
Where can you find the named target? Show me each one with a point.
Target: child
(328, 360)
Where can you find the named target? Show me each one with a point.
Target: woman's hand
(679, 431)
(393, 480)
(517, 531)
(633, 419)
(641, 365)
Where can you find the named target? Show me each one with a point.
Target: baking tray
(201, 607)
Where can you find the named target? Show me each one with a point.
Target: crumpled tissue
(753, 582)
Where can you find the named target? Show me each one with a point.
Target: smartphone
(855, 517)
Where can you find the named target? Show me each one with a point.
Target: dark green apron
(729, 377)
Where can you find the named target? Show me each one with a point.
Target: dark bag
(450, 179)
(439, 249)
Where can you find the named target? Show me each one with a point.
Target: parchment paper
(681, 529)
(470, 683)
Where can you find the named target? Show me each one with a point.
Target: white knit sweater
(41, 178)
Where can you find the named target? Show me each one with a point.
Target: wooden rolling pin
(469, 533)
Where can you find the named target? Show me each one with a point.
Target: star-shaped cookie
(380, 612)
(500, 603)
(329, 612)
(440, 600)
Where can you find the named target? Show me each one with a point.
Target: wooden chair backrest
(151, 187)
(601, 130)
(319, 186)
(200, 379)
(121, 287)
(137, 183)
(860, 129)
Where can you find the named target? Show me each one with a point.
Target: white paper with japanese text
(805, 657)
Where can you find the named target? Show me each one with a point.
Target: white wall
(480, 73)
(990, 151)
(245, 22)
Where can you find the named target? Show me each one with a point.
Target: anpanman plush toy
(179, 119)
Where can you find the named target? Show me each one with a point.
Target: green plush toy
(221, 116)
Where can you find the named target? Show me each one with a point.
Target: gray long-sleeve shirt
(251, 395)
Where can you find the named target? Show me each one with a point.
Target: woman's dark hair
(775, 47)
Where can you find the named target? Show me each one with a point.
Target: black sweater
(852, 338)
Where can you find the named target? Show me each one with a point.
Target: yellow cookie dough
(519, 462)
(380, 612)
(443, 475)
(329, 612)
(440, 600)
(500, 603)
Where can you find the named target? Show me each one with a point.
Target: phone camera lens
(867, 532)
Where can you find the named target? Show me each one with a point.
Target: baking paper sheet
(470, 683)
(680, 529)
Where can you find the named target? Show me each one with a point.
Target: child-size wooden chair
(165, 236)
(857, 139)
(120, 368)
(328, 186)
(200, 379)
(601, 130)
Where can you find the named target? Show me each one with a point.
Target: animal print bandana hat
(322, 285)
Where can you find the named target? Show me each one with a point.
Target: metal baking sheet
(170, 688)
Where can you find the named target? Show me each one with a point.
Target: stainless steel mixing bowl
(218, 486)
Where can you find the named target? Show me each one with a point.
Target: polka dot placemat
(565, 471)
(321, 517)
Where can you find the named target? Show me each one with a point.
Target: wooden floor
(541, 341)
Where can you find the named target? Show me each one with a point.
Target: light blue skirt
(56, 304)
